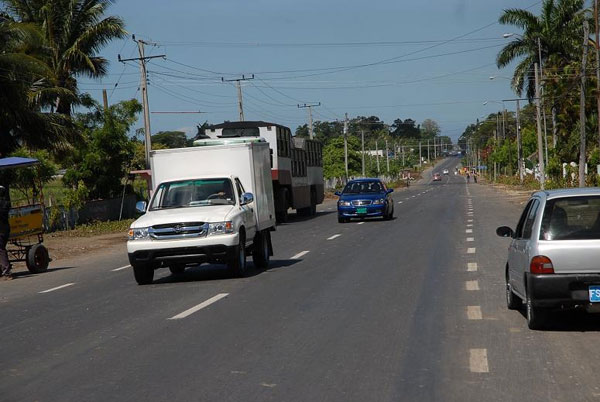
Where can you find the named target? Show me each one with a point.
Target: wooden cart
(26, 226)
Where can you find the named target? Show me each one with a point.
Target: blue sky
(427, 73)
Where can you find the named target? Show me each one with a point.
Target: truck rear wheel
(143, 274)
(260, 250)
(237, 261)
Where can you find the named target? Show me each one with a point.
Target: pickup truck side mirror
(247, 198)
(505, 231)
(140, 207)
(338, 193)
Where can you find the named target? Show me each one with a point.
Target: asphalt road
(407, 310)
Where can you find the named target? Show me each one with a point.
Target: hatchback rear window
(571, 218)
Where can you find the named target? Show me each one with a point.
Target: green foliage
(170, 139)
(333, 158)
(99, 228)
(105, 157)
(28, 182)
(75, 198)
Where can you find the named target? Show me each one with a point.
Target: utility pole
(387, 153)
(519, 146)
(362, 137)
(428, 158)
(597, 48)
(402, 150)
(238, 86)
(586, 34)
(420, 157)
(539, 128)
(377, 155)
(144, 87)
(105, 100)
(345, 145)
(542, 92)
(309, 106)
(434, 149)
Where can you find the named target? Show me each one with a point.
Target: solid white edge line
(121, 268)
(58, 287)
(199, 306)
(300, 254)
(478, 362)
(335, 236)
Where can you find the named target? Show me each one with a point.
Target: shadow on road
(208, 272)
(294, 217)
(27, 274)
(571, 321)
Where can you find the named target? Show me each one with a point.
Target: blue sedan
(364, 198)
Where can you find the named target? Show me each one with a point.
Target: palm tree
(74, 31)
(557, 32)
(24, 83)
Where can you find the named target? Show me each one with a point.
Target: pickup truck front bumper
(159, 253)
(560, 290)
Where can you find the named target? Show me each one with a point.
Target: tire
(536, 316)
(237, 262)
(342, 219)
(260, 250)
(513, 302)
(282, 216)
(37, 259)
(143, 274)
(177, 269)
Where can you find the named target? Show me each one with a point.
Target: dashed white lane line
(200, 306)
(399, 202)
(335, 236)
(472, 285)
(478, 362)
(474, 313)
(471, 250)
(469, 231)
(300, 255)
(470, 220)
(121, 268)
(470, 239)
(361, 223)
(469, 225)
(57, 288)
(472, 266)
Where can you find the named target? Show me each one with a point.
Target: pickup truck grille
(178, 230)
(361, 202)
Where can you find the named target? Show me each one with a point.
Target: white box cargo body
(250, 162)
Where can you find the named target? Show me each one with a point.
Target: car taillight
(541, 265)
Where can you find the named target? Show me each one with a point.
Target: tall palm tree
(74, 31)
(558, 29)
(24, 85)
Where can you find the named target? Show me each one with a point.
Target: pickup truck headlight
(344, 203)
(138, 233)
(379, 201)
(220, 228)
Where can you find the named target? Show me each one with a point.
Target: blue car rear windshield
(362, 187)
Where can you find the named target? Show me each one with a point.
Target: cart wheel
(37, 259)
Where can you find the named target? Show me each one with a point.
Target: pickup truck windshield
(193, 193)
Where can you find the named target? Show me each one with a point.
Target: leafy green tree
(170, 139)
(105, 157)
(333, 158)
(430, 129)
(28, 182)
(558, 29)
(406, 129)
(73, 31)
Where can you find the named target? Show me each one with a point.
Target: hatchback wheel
(535, 315)
(513, 302)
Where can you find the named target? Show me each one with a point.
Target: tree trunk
(586, 34)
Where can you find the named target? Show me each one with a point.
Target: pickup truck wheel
(342, 219)
(144, 274)
(177, 269)
(237, 262)
(535, 315)
(260, 251)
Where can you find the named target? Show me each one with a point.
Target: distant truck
(211, 204)
(296, 163)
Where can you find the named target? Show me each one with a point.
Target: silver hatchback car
(554, 255)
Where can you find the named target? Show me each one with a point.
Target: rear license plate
(361, 210)
(594, 292)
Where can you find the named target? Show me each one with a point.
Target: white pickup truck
(210, 204)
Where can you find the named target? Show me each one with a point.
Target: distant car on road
(437, 177)
(364, 198)
(553, 256)
(446, 172)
